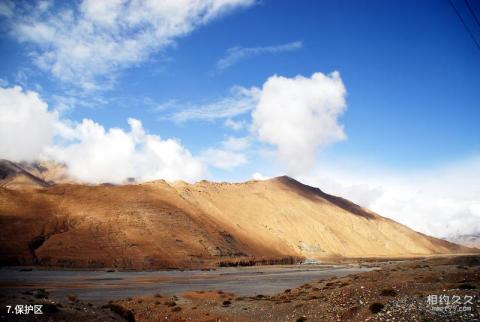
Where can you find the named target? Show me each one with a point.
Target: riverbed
(102, 286)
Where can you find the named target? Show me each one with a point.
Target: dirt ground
(414, 290)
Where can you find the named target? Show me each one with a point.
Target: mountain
(161, 225)
(14, 176)
(469, 240)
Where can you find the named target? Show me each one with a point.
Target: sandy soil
(396, 292)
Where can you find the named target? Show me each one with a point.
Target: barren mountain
(161, 225)
(14, 176)
(469, 240)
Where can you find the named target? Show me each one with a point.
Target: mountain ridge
(159, 224)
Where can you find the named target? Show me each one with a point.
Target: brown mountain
(160, 224)
(15, 176)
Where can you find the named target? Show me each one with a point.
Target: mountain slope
(161, 225)
(302, 219)
(469, 240)
(14, 176)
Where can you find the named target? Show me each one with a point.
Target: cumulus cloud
(296, 115)
(239, 101)
(30, 131)
(94, 154)
(26, 124)
(85, 43)
(442, 202)
(300, 115)
(236, 54)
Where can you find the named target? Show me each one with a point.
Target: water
(102, 286)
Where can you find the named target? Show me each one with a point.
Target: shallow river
(101, 286)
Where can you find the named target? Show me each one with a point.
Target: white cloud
(300, 115)
(26, 124)
(297, 115)
(259, 176)
(441, 202)
(236, 143)
(241, 100)
(235, 125)
(96, 155)
(223, 159)
(236, 54)
(88, 42)
(29, 131)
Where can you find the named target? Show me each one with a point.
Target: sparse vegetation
(234, 262)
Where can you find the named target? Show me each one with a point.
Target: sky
(375, 101)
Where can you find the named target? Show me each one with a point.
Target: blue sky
(409, 68)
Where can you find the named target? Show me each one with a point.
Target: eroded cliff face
(166, 225)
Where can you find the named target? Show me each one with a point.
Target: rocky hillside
(162, 225)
